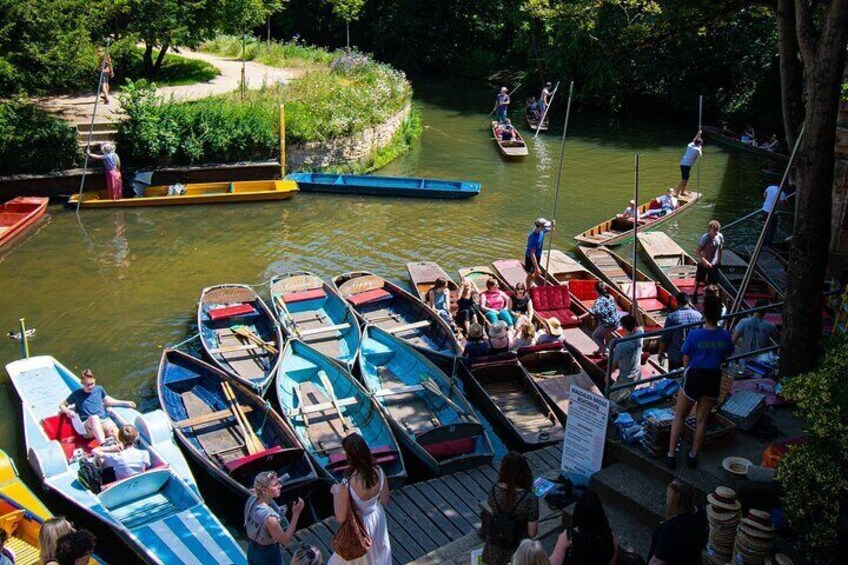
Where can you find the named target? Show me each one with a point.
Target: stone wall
(339, 151)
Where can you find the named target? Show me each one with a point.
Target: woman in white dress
(365, 487)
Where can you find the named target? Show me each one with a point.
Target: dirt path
(77, 108)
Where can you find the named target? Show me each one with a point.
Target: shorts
(684, 171)
(706, 274)
(528, 264)
(701, 383)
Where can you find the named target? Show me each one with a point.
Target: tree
(348, 10)
(813, 39)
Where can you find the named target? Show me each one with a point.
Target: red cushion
(774, 318)
(231, 311)
(583, 289)
(650, 304)
(368, 296)
(655, 205)
(242, 461)
(550, 297)
(683, 283)
(382, 455)
(304, 295)
(59, 427)
(565, 317)
(450, 448)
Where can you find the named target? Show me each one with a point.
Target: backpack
(504, 529)
(90, 476)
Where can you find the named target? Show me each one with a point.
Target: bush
(33, 141)
(292, 53)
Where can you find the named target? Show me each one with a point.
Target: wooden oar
(252, 442)
(246, 332)
(325, 382)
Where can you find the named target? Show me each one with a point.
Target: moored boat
(423, 275)
(384, 186)
(616, 230)
(227, 428)
(729, 139)
(514, 148)
(313, 311)
(324, 404)
(428, 413)
(383, 304)
(561, 267)
(512, 272)
(479, 275)
(18, 214)
(732, 272)
(554, 370)
(239, 333)
(200, 193)
(505, 393)
(158, 513)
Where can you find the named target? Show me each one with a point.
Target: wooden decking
(426, 516)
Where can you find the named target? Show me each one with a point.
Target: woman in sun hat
(112, 166)
(551, 331)
(680, 537)
(499, 338)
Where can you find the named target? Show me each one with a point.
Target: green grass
(277, 54)
(175, 70)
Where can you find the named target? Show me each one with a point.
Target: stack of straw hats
(723, 515)
(753, 540)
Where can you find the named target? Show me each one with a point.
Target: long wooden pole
(282, 141)
(545, 113)
(634, 306)
(91, 125)
(24, 340)
(700, 117)
(559, 172)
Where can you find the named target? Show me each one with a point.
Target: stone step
(99, 135)
(639, 494)
(84, 127)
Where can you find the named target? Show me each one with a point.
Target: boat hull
(385, 186)
(201, 193)
(717, 135)
(554, 371)
(18, 214)
(510, 149)
(423, 275)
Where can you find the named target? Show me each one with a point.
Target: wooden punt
(383, 304)
(314, 312)
(427, 411)
(533, 123)
(561, 267)
(732, 272)
(510, 149)
(423, 275)
(652, 298)
(616, 230)
(324, 404)
(239, 333)
(554, 370)
(512, 272)
(479, 275)
(729, 139)
(194, 395)
(507, 395)
(199, 193)
(18, 214)
(385, 186)
(771, 265)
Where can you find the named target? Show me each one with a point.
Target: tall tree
(813, 39)
(348, 10)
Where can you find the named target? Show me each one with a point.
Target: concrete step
(100, 135)
(633, 533)
(83, 127)
(639, 494)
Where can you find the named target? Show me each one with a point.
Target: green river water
(112, 295)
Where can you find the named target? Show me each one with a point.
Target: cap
(542, 222)
(504, 89)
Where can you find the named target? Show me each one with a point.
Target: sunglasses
(306, 552)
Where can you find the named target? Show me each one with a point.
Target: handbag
(351, 541)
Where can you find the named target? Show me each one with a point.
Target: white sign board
(585, 434)
(477, 556)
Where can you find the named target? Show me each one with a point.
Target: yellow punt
(21, 514)
(200, 193)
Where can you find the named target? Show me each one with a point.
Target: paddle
(251, 442)
(325, 382)
(247, 333)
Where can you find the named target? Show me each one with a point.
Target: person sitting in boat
(667, 203)
(533, 109)
(550, 332)
(438, 298)
(773, 144)
(507, 131)
(477, 344)
(522, 305)
(526, 336)
(86, 409)
(627, 213)
(75, 548)
(749, 137)
(495, 304)
(499, 338)
(467, 311)
(123, 459)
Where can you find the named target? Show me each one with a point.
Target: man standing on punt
(502, 104)
(693, 151)
(533, 251)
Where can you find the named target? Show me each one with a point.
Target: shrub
(34, 141)
(292, 53)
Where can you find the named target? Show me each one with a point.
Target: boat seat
(236, 463)
(304, 295)
(650, 304)
(246, 468)
(59, 428)
(382, 455)
(644, 289)
(222, 313)
(566, 317)
(369, 296)
(549, 346)
(445, 442)
(554, 301)
(683, 284)
(134, 488)
(583, 290)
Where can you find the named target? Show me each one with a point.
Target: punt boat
(423, 275)
(561, 267)
(325, 404)
(732, 272)
(385, 186)
(533, 122)
(158, 513)
(427, 411)
(479, 275)
(510, 149)
(313, 311)
(199, 193)
(616, 230)
(239, 333)
(18, 214)
(729, 139)
(770, 265)
(512, 272)
(504, 391)
(554, 370)
(229, 430)
(383, 304)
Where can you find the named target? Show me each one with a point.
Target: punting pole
(24, 340)
(91, 126)
(559, 172)
(700, 117)
(510, 96)
(282, 141)
(634, 306)
(751, 215)
(740, 296)
(545, 114)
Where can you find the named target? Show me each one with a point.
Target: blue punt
(384, 186)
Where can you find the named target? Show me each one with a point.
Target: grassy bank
(275, 54)
(175, 70)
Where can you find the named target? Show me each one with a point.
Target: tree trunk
(148, 60)
(791, 71)
(823, 53)
(160, 58)
(347, 31)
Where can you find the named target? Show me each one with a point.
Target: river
(109, 292)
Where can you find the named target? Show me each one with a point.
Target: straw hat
(554, 326)
(737, 467)
(758, 520)
(724, 499)
(498, 330)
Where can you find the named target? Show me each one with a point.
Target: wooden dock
(429, 515)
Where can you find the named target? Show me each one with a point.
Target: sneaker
(110, 441)
(691, 461)
(670, 461)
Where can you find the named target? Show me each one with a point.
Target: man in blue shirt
(86, 408)
(502, 104)
(533, 251)
(672, 342)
